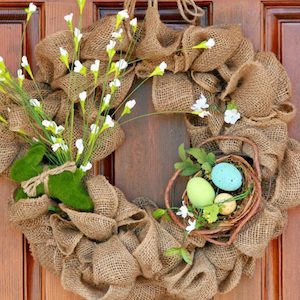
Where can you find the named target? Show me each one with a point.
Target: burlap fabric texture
(116, 252)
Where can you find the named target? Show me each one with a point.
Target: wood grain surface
(142, 166)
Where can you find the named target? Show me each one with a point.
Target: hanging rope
(190, 7)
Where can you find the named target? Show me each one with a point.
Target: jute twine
(116, 252)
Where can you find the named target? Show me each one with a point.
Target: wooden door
(151, 146)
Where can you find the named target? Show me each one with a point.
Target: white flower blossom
(107, 99)
(133, 22)
(78, 66)
(231, 116)
(123, 14)
(24, 63)
(83, 96)
(163, 66)
(184, 212)
(32, 8)
(68, 18)
(79, 146)
(35, 103)
(130, 104)
(58, 143)
(111, 45)
(95, 66)
(1, 59)
(109, 122)
(117, 34)
(52, 126)
(200, 104)
(210, 43)
(191, 226)
(63, 52)
(121, 64)
(87, 167)
(20, 74)
(203, 113)
(115, 83)
(94, 129)
(77, 34)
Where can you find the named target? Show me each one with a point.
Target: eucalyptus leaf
(210, 213)
(211, 158)
(172, 251)
(158, 213)
(199, 154)
(186, 256)
(206, 167)
(181, 152)
(191, 170)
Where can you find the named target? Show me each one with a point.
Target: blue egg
(227, 177)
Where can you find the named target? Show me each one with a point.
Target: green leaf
(172, 251)
(191, 170)
(181, 165)
(231, 105)
(181, 152)
(186, 256)
(158, 213)
(206, 167)
(211, 158)
(199, 154)
(210, 213)
(53, 208)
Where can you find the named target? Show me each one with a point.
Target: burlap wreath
(116, 252)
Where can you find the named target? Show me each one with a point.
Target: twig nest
(200, 192)
(227, 177)
(226, 208)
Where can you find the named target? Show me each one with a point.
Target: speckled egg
(227, 177)
(226, 208)
(200, 192)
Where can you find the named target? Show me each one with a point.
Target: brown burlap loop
(30, 185)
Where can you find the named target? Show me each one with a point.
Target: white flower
(111, 45)
(94, 129)
(87, 167)
(123, 14)
(78, 66)
(77, 34)
(1, 59)
(24, 63)
(133, 22)
(58, 143)
(95, 67)
(109, 122)
(191, 226)
(107, 99)
(210, 43)
(121, 64)
(35, 103)
(117, 34)
(200, 104)
(63, 52)
(52, 126)
(130, 104)
(79, 146)
(184, 212)
(83, 96)
(69, 18)
(32, 8)
(203, 113)
(163, 66)
(115, 83)
(231, 116)
(20, 74)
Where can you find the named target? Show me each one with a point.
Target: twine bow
(30, 185)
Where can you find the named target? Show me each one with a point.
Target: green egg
(200, 192)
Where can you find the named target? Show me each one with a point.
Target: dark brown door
(144, 163)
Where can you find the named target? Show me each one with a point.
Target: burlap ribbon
(30, 185)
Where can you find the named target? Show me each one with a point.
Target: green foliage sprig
(195, 160)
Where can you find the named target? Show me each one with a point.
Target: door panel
(142, 166)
